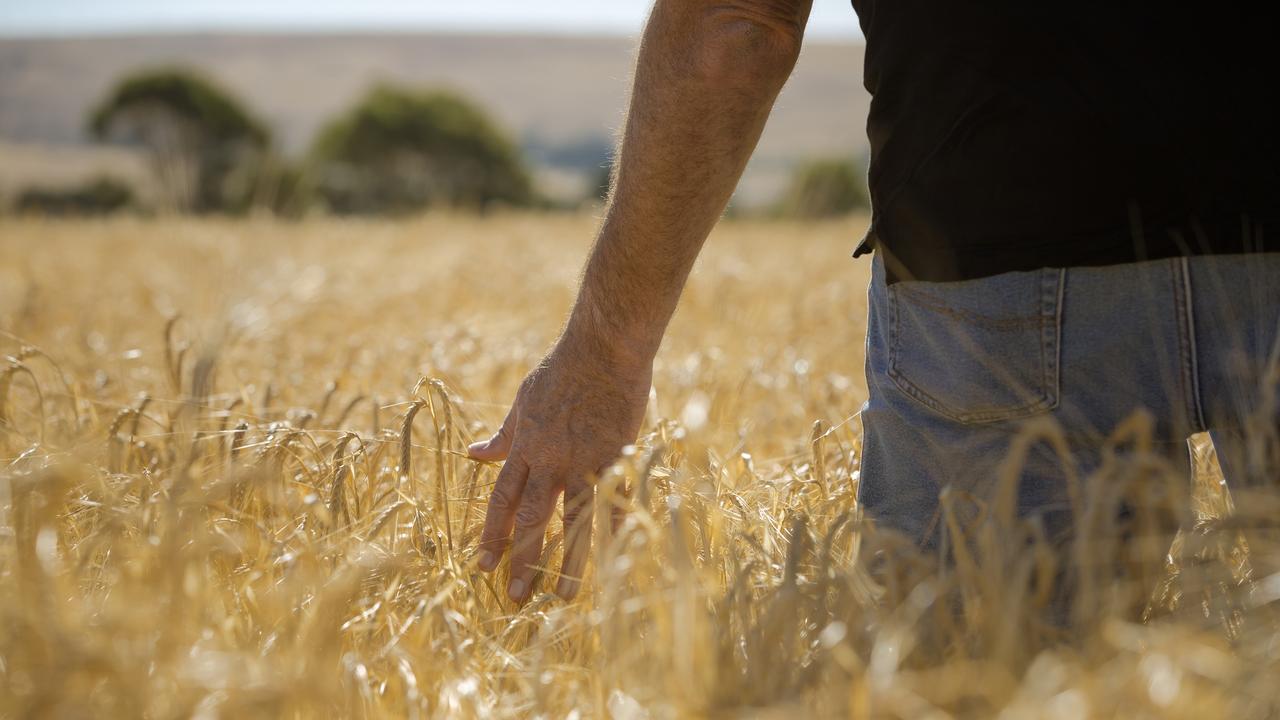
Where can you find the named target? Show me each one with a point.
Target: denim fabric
(955, 369)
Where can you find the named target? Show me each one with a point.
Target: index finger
(500, 516)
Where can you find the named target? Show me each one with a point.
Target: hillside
(561, 97)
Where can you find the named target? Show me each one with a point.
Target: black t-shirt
(1016, 134)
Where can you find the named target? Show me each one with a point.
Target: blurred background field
(375, 304)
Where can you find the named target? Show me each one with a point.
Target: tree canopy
(399, 151)
(203, 144)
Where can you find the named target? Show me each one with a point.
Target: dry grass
(259, 508)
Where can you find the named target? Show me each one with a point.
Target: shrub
(826, 188)
(400, 151)
(100, 196)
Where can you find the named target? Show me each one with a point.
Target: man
(1068, 212)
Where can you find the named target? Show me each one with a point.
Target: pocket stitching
(1052, 284)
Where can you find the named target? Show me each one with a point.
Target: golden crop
(232, 485)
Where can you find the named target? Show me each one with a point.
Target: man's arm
(707, 76)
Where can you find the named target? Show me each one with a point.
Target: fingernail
(487, 561)
(476, 447)
(516, 589)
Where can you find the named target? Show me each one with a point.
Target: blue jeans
(955, 370)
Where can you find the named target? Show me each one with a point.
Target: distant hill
(560, 97)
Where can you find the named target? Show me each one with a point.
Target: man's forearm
(706, 78)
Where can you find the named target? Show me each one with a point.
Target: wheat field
(232, 484)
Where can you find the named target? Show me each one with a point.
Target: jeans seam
(1186, 381)
(1193, 351)
(1051, 338)
(1178, 313)
(1057, 363)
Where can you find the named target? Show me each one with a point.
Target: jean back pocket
(979, 351)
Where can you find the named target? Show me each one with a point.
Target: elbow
(742, 48)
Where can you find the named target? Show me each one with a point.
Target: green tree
(400, 151)
(826, 188)
(205, 148)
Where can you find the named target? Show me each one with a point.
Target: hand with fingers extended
(570, 419)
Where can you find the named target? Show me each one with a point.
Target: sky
(831, 18)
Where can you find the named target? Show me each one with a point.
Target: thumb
(496, 447)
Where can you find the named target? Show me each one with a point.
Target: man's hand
(571, 417)
(706, 79)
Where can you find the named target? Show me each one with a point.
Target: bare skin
(706, 79)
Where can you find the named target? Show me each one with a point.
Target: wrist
(618, 347)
